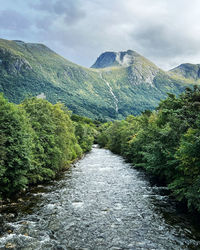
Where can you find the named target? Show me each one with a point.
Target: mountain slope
(31, 69)
(113, 92)
(188, 71)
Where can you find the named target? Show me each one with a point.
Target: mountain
(139, 69)
(118, 84)
(188, 71)
(118, 59)
(28, 69)
(111, 59)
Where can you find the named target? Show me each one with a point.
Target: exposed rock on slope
(120, 59)
(140, 69)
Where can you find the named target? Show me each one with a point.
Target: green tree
(15, 148)
(55, 142)
(186, 186)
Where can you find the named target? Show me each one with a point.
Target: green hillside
(28, 69)
(188, 71)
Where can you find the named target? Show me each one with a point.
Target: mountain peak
(113, 59)
(188, 70)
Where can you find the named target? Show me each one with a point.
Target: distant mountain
(188, 70)
(118, 59)
(119, 84)
(141, 70)
(112, 59)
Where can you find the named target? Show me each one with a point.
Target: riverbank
(38, 140)
(21, 198)
(165, 143)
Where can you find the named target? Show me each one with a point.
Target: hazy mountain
(120, 83)
(188, 70)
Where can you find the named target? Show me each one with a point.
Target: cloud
(13, 20)
(167, 32)
(69, 10)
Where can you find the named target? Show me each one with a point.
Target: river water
(100, 203)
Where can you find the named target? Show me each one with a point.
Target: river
(100, 203)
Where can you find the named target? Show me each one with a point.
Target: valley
(117, 85)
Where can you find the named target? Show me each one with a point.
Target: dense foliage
(85, 131)
(164, 142)
(37, 140)
(15, 147)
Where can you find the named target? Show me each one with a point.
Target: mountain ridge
(187, 70)
(28, 69)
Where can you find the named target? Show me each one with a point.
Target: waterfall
(113, 95)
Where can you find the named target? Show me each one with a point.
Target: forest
(165, 143)
(37, 141)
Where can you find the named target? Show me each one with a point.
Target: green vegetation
(27, 70)
(37, 141)
(15, 148)
(85, 131)
(187, 71)
(164, 142)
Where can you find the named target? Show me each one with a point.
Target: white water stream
(113, 95)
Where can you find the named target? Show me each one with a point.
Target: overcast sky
(165, 31)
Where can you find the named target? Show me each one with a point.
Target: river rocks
(10, 245)
(10, 215)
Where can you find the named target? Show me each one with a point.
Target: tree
(15, 148)
(55, 142)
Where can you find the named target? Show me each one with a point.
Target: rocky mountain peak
(112, 59)
(140, 70)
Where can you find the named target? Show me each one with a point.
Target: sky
(165, 31)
